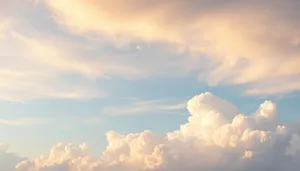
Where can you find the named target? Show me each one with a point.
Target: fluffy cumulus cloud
(216, 137)
(247, 42)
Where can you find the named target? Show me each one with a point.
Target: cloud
(95, 120)
(169, 38)
(3, 147)
(54, 52)
(43, 61)
(247, 42)
(25, 121)
(215, 137)
(294, 145)
(42, 71)
(8, 160)
(139, 107)
(34, 66)
(2, 29)
(31, 84)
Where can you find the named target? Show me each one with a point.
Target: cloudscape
(144, 85)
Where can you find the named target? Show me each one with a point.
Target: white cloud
(25, 121)
(2, 29)
(142, 107)
(294, 145)
(36, 66)
(247, 42)
(31, 84)
(42, 63)
(215, 137)
(262, 53)
(91, 120)
(8, 160)
(3, 147)
(64, 55)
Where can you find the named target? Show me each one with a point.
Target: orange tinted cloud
(251, 42)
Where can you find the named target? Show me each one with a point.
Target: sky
(109, 85)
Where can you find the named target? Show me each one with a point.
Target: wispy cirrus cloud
(49, 63)
(36, 121)
(89, 120)
(25, 121)
(34, 66)
(145, 107)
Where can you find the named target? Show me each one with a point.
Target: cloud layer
(215, 137)
(247, 42)
(41, 60)
(44, 44)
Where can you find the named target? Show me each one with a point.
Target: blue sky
(70, 75)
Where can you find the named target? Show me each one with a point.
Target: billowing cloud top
(216, 137)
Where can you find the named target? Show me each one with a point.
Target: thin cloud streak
(25, 121)
(144, 107)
